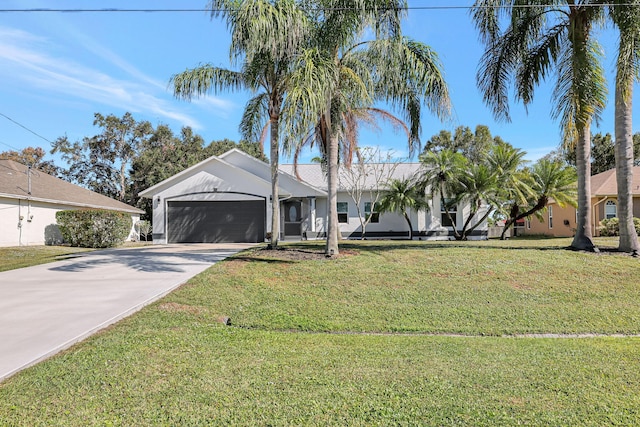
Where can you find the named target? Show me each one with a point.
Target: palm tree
(342, 75)
(626, 16)
(265, 37)
(515, 181)
(551, 180)
(478, 186)
(440, 177)
(402, 196)
(540, 37)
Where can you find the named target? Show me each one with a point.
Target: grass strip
(183, 372)
(27, 256)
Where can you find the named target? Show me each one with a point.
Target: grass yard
(391, 333)
(26, 256)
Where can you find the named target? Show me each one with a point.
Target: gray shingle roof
(14, 183)
(313, 175)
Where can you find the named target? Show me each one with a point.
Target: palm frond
(255, 114)
(204, 79)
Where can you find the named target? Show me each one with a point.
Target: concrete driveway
(47, 308)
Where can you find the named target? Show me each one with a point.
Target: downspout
(594, 212)
(20, 217)
(29, 216)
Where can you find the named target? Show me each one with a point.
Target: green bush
(94, 228)
(610, 227)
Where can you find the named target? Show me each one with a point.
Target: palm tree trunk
(332, 181)
(624, 166)
(583, 237)
(472, 212)
(515, 209)
(406, 217)
(480, 221)
(275, 196)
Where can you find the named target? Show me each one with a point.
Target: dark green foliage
(472, 145)
(602, 153)
(94, 228)
(611, 227)
(100, 162)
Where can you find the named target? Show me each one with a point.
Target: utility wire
(10, 146)
(24, 127)
(448, 7)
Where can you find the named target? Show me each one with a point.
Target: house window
(610, 209)
(528, 221)
(450, 205)
(550, 216)
(375, 216)
(343, 212)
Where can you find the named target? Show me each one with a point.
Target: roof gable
(263, 170)
(203, 166)
(606, 184)
(20, 182)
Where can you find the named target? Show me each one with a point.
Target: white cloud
(539, 152)
(25, 60)
(219, 106)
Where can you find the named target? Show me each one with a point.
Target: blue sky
(59, 68)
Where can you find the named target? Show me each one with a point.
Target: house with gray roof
(29, 200)
(226, 198)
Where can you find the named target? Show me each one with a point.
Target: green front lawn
(392, 333)
(27, 256)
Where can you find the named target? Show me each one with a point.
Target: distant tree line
(603, 153)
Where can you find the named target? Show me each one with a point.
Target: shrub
(94, 228)
(610, 227)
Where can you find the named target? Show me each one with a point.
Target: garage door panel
(214, 222)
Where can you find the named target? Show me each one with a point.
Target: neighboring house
(561, 222)
(29, 200)
(226, 198)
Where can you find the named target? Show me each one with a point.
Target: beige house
(29, 200)
(561, 222)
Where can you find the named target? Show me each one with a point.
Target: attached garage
(216, 221)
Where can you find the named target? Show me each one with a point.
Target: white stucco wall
(38, 225)
(428, 222)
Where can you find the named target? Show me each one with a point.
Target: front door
(292, 218)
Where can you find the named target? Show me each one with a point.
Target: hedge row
(94, 228)
(611, 226)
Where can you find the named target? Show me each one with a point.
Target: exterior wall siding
(426, 224)
(38, 225)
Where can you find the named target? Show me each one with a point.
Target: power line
(199, 10)
(26, 128)
(10, 146)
